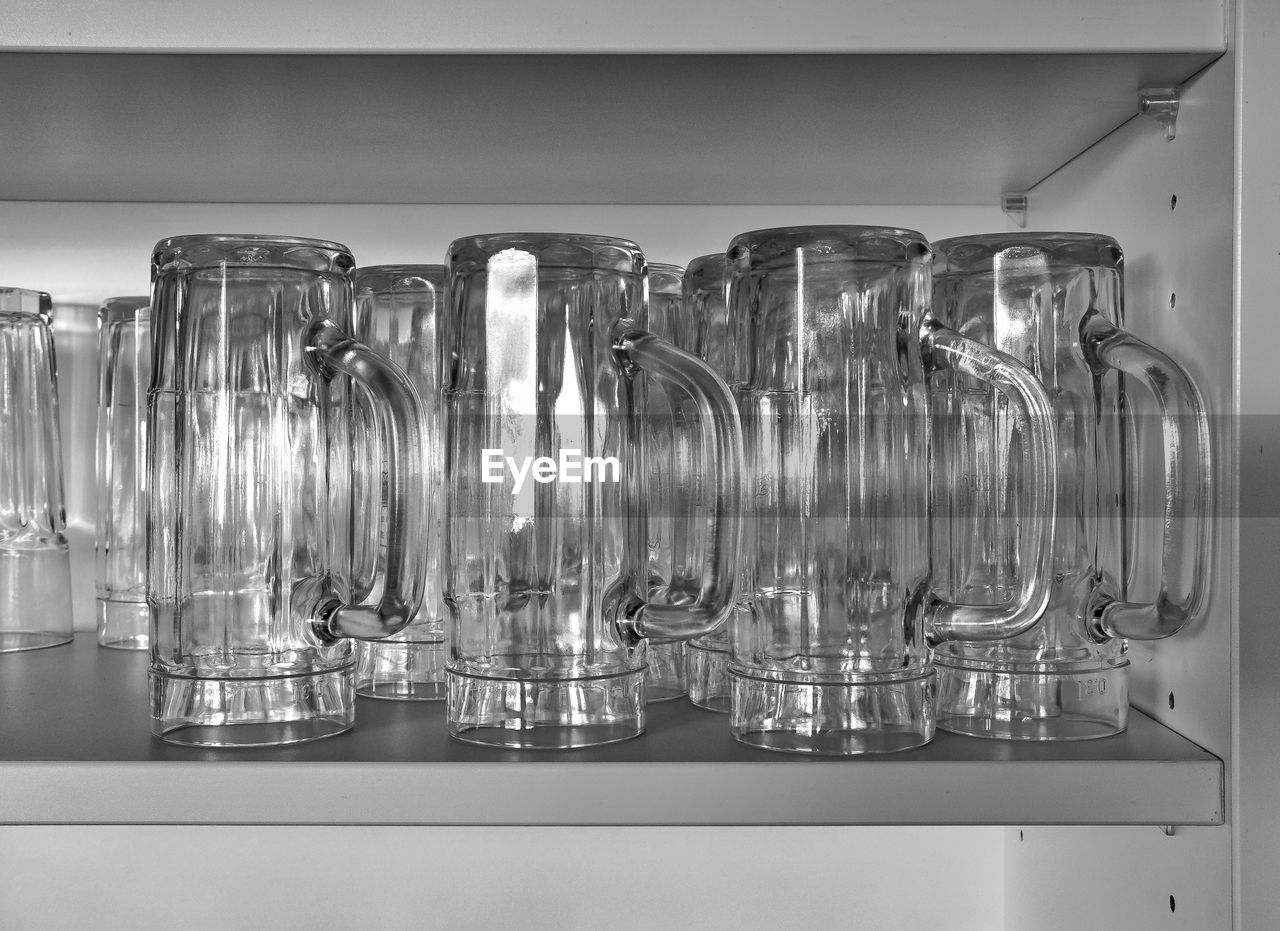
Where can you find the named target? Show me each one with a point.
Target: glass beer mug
(399, 314)
(548, 570)
(831, 340)
(251, 530)
(664, 445)
(702, 328)
(1054, 301)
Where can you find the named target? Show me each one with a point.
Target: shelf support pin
(1168, 829)
(1014, 204)
(1162, 104)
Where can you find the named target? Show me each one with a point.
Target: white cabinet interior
(106, 153)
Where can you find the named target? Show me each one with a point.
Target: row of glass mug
(547, 431)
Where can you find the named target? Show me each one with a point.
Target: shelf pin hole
(1173, 202)
(1170, 701)
(1173, 299)
(1173, 906)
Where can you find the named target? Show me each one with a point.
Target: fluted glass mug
(1054, 301)
(124, 376)
(703, 329)
(35, 564)
(665, 444)
(251, 535)
(547, 580)
(831, 340)
(400, 312)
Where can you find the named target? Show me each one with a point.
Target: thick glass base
(401, 671)
(707, 671)
(123, 625)
(1077, 705)
(11, 641)
(665, 679)
(540, 714)
(251, 712)
(832, 719)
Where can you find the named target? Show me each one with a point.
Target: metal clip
(1161, 103)
(1015, 207)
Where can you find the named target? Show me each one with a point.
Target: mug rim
(221, 244)
(493, 243)
(750, 247)
(1050, 242)
(43, 302)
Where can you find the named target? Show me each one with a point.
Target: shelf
(620, 26)
(559, 129)
(75, 748)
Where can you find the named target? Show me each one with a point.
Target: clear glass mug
(703, 329)
(664, 439)
(547, 577)
(831, 340)
(1054, 301)
(252, 537)
(124, 375)
(400, 312)
(35, 565)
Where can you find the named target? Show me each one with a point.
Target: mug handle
(400, 418)
(637, 348)
(1187, 469)
(944, 348)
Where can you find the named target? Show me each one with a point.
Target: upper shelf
(560, 129)
(75, 747)
(804, 26)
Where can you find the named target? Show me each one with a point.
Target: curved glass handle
(718, 414)
(1187, 465)
(400, 418)
(946, 349)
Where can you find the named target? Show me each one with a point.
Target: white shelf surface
(75, 748)
(616, 26)
(565, 129)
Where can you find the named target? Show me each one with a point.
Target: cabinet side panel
(1179, 297)
(1256, 783)
(1060, 878)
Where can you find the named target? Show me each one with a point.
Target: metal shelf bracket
(1162, 104)
(1014, 204)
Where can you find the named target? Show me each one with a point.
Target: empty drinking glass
(548, 572)
(1054, 301)
(831, 340)
(35, 566)
(399, 314)
(252, 535)
(124, 375)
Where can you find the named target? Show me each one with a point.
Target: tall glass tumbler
(548, 569)
(1054, 301)
(35, 565)
(251, 529)
(400, 311)
(124, 375)
(831, 340)
(665, 678)
(703, 329)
